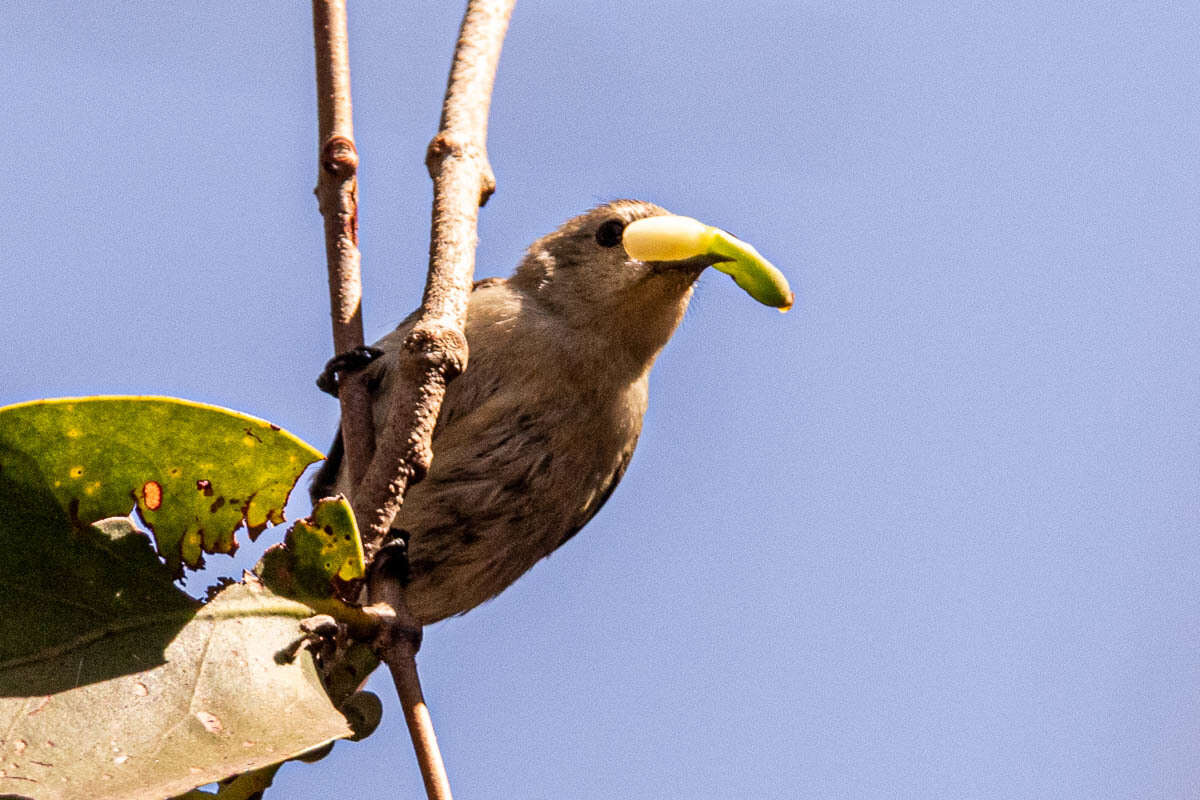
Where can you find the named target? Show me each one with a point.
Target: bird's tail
(324, 483)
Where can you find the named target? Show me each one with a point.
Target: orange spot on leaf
(152, 495)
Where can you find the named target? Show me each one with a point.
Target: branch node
(422, 458)
(339, 157)
(448, 144)
(487, 183)
(452, 144)
(439, 348)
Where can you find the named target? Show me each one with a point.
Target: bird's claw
(393, 557)
(349, 361)
(390, 563)
(317, 633)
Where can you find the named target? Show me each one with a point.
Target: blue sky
(930, 535)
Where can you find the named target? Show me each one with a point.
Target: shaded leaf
(247, 786)
(113, 682)
(196, 472)
(223, 700)
(94, 604)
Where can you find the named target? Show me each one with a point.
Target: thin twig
(420, 728)
(337, 193)
(436, 348)
(397, 646)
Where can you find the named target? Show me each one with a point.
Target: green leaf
(89, 605)
(320, 562)
(196, 472)
(113, 682)
(225, 699)
(327, 546)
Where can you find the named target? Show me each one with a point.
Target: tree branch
(436, 349)
(337, 193)
(397, 646)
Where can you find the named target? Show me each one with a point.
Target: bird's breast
(515, 473)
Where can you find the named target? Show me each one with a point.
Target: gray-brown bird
(536, 433)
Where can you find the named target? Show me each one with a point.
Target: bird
(536, 433)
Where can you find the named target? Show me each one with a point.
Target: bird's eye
(609, 233)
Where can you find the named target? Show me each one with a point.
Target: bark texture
(436, 348)
(337, 194)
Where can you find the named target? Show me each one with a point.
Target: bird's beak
(671, 238)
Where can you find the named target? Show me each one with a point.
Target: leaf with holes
(66, 463)
(196, 472)
(113, 682)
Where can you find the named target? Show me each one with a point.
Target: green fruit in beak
(671, 238)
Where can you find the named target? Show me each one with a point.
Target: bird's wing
(379, 375)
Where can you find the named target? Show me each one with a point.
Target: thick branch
(436, 349)
(337, 193)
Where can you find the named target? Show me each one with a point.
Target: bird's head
(625, 271)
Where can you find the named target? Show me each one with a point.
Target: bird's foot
(349, 361)
(391, 564)
(392, 557)
(319, 634)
